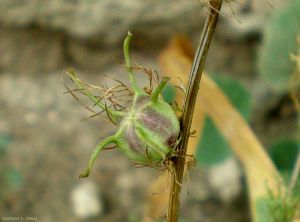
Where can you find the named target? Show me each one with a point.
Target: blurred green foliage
(213, 148)
(277, 209)
(281, 207)
(280, 41)
(277, 67)
(284, 154)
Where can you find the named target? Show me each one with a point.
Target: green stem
(159, 88)
(295, 173)
(189, 105)
(99, 147)
(133, 82)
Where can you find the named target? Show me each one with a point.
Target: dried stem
(188, 110)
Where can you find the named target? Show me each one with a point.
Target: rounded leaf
(284, 154)
(169, 93)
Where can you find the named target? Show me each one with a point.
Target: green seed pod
(148, 131)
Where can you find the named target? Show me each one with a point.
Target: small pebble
(85, 200)
(225, 180)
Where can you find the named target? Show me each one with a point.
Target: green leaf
(284, 154)
(236, 92)
(213, 148)
(169, 93)
(275, 64)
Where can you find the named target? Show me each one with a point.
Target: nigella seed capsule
(147, 132)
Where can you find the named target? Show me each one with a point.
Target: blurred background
(44, 144)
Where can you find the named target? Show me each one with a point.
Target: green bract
(149, 128)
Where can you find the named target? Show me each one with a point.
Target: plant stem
(295, 173)
(189, 105)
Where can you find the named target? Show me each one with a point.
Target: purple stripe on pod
(134, 141)
(155, 122)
